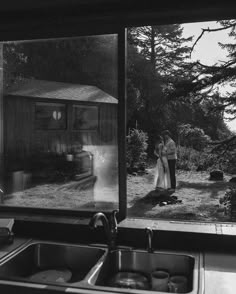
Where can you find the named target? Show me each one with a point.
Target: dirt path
(200, 197)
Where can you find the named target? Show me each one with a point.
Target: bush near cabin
(136, 155)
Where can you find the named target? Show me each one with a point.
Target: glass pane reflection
(60, 123)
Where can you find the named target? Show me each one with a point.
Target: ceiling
(23, 5)
(119, 11)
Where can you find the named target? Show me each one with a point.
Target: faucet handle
(113, 220)
(148, 231)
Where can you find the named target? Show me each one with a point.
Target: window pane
(49, 116)
(85, 117)
(181, 79)
(59, 150)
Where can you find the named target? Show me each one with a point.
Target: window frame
(74, 106)
(67, 32)
(109, 22)
(46, 103)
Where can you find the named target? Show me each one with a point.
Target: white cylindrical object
(17, 181)
(69, 157)
(160, 280)
(178, 284)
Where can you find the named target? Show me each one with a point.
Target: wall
(22, 140)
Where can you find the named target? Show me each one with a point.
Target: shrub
(136, 147)
(230, 162)
(193, 137)
(191, 159)
(229, 202)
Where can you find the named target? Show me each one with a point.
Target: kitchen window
(181, 121)
(109, 155)
(60, 154)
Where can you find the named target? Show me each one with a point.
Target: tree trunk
(153, 54)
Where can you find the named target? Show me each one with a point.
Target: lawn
(199, 196)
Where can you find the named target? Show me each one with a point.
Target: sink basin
(91, 267)
(144, 263)
(65, 264)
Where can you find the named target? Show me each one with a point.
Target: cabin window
(50, 116)
(85, 117)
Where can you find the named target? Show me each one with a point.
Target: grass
(199, 196)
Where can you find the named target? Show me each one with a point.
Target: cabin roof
(57, 90)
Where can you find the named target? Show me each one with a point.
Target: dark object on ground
(174, 197)
(171, 201)
(137, 170)
(132, 170)
(232, 180)
(161, 197)
(134, 174)
(163, 203)
(200, 168)
(216, 175)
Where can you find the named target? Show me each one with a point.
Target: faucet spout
(149, 234)
(109, 227)
(113, 229)
(100, 216)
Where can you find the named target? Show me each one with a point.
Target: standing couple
(165, 150)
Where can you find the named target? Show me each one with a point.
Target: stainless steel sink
(92, 267)
(144, 262)
(36, 257)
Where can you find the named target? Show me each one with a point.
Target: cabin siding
(23, 140)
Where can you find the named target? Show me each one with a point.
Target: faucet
(149, 234)
(110, 226)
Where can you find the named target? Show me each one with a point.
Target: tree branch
(209, 30)
(225, 144)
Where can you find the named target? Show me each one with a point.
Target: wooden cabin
(52, 117)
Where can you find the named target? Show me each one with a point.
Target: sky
(207, 50)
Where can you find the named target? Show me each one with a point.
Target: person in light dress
(162, 172)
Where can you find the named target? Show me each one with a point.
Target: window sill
(181, 226)
(227, 229)
(53, 219)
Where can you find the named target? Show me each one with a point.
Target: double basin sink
(92, 267)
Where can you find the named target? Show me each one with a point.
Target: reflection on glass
(60, 123)
(49, 116)
(85, 117)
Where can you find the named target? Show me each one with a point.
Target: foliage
(136, 147)
(156, 55)
(229, 201)
(191, 159)
(89, 60)
(194, 137)
(206, 80)
(229, 162)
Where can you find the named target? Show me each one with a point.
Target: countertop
(220, 273)
(6, 248)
